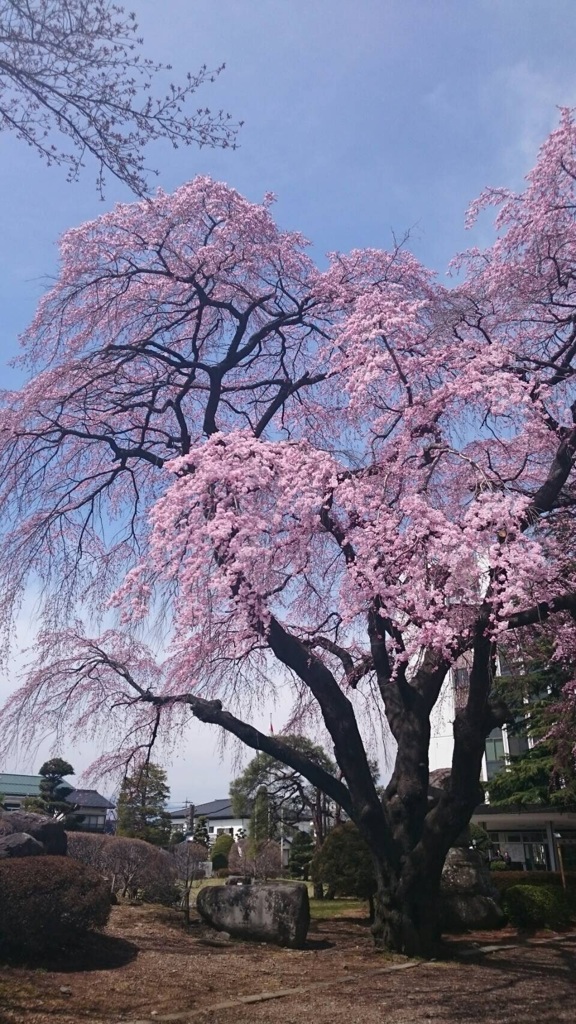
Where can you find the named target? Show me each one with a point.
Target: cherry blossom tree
(346, 478)
(73, 71)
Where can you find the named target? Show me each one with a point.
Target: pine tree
(53, 792)
(301, 853)
(141, 808)
(546, 772)
(201, 834)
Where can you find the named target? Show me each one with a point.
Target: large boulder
(468, 898)
(19, 844)
(264, 913)
(47, 831)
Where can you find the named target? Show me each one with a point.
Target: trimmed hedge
(538, 906)
(48, 902)
(504, 880)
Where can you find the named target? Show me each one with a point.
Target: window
(495, 758)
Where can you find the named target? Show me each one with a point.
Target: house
(219, 816)
(533, 837)
(88, 803)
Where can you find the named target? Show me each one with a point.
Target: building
(219, 819)
(533, 837)
(87, 803)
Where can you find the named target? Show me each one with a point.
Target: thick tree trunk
(406, 915)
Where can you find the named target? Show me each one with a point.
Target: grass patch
(323, 910)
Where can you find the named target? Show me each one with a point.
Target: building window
(495, 758)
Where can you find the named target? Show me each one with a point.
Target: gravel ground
(146, 969)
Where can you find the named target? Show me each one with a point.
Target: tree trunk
(406, 916)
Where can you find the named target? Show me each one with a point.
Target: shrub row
(504, 880)
(47, 903)
(539, 906)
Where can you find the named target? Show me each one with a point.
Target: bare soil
(145, 968)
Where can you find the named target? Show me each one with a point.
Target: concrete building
(534, 837)
(219, 819)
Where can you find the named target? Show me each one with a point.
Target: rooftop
(218, 809)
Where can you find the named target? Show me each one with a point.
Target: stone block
(262, 913)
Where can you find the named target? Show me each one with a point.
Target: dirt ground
(144, 968)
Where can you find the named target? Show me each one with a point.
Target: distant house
(219, 819)
(88, 803)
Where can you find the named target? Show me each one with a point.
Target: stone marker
(262, 913)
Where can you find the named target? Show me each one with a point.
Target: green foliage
(48, 903)
(480, 839)
(221, 850)
(344, 863)
(497, 865)
(536, 906)
(546, 773)
(53, 791)
(141, 810)
(262, 820)
(504, 880)
(201, 834)
(301, 853)
(291, 796)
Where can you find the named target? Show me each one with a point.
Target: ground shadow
(95, 952)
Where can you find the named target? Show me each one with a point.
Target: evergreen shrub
(536, 906)
(47, 903)
(505, 879)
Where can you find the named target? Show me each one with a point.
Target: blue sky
(366, 119)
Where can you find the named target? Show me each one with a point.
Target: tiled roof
(214, 809)
(88, 798)
(19, 785)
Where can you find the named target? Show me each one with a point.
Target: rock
(262, 913)
(19, 844)
(465, 873)
(43, 829)
(470, 913)
(468, 899)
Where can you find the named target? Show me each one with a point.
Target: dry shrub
(131, 867)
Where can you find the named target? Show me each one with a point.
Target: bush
(536, 906)
(504, 880)
(132, 867)
(221, 850)
(344, 863)
(222, 873)
(49, 902)
(498, 865)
